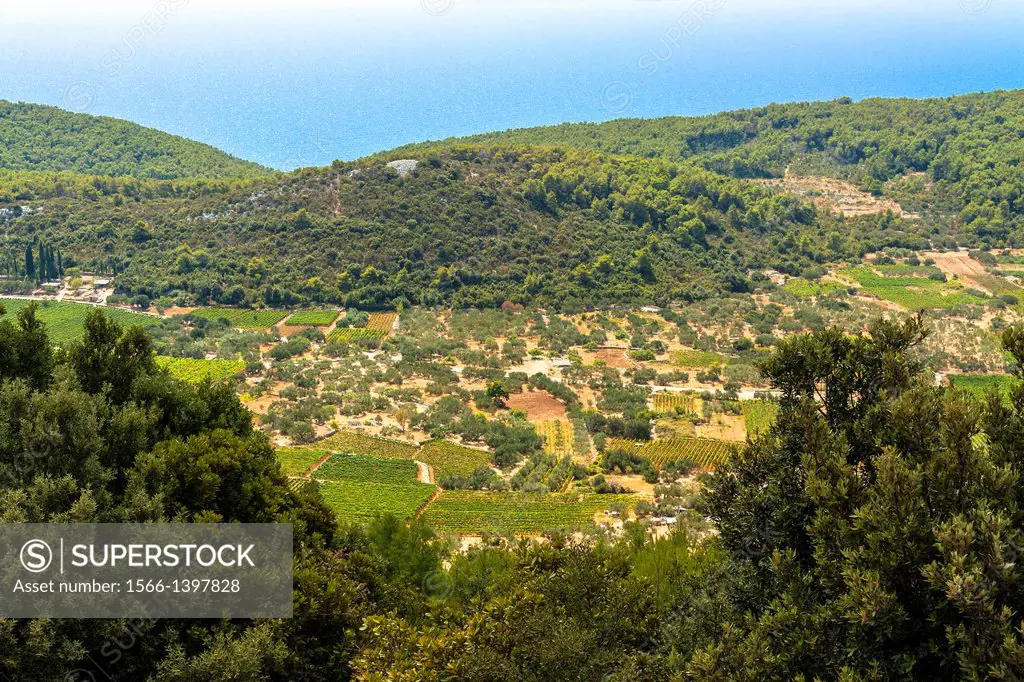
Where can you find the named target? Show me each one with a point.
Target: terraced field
(704, 452)
(362, 444)
(313, 318)
(65, 321)
(384, 322)
(469, 512)
(242, 318)
(196, 370)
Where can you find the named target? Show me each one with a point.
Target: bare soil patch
(617, 358)
(960, 264)
(835, 194)
(538, 405)
(723, 427)
(262, 404)
(634, 484)
(956, 263)
(289, 330)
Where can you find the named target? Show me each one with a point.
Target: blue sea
(325, 81)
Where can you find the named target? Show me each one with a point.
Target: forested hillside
(469, 226)
(628, 211)
(41, 138)
(970, 146)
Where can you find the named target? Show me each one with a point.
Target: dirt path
(426, 473)
(316, 466)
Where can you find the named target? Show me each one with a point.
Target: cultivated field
(250, 320)
(704, 452)
(65, 321)
(471, 512)
(312, 318)
(196, 370)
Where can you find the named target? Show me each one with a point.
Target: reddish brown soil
(538, 405)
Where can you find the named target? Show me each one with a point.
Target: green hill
(41, 138)
(630, 211)
(470, 226)
(969, 146)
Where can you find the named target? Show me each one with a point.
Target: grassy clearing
(313, 318)
(475, 512)
(250, 320)
(65, 321)
(195, 370)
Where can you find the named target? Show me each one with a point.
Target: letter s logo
(36, 556)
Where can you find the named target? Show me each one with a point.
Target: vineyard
(65, 321)
(704, 452)
(196, 370)
(366, 469)
(249, 320)
(361, 444)
(359, 487)
(354, 334)
(384, 322)
(666, 403)
(904, 270)
(472, 512)
(558, 436)
(313, 318)
(911, 292)
(295, 462)
(361, 501)
(759, 415)
(979, 385)
(449, 458)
